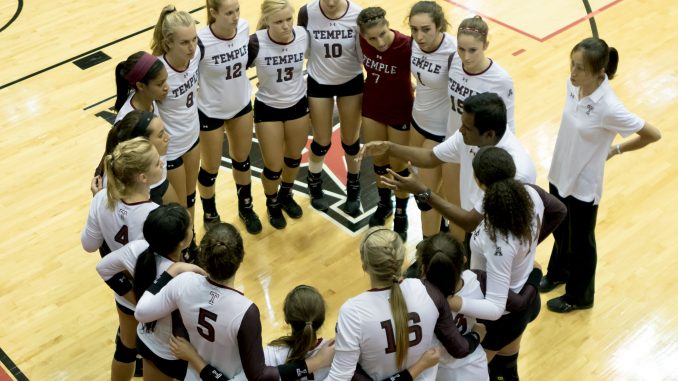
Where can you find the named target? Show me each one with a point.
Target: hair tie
(473, 30)
(141, 68)
(395, 279)
(309, 324)
(143, 123)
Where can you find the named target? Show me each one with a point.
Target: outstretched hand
(375, 148)
(410, 184)
(183, 267)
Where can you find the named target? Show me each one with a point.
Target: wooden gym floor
(58, 318)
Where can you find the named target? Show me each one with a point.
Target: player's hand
(430, 357)
(326, 354)
(96, 185)
(409, 184)
(183, 267)
(376, 148)
(455, 302)
(182, 349)
(479, 328)
(537, 265)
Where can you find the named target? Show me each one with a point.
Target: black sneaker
(380, 215)
(250, 219)
(352, 204)
(546, 284)
(290, 206)
(275, 215)
(400, 225)
(315, 190)
(210, 220)
(560, 305)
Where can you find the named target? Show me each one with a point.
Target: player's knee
(381, 170)
(207, 179)
(122, 353)
(271, 174)
(292, 163)
(241, 166)
(190, 200)
(351, 149)
(319, 150)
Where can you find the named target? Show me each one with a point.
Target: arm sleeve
(302, 17)
(448, 151)
(347, 346)
(622, 121)
(158, 301)
(446, 331)
(499, 262)
(520, 301)
(112, 267)
(252, 49)
(554, 212)
(91, 237)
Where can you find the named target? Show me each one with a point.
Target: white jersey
(508, 263)
(462, 85)
(586, 132)
(223, 325)
(224, 87)
(117, 226)
(454, 150)
(474, 366)
(431, 103)
(179, 110)
(366, 331)
(334, 51)
(279, 68)
(128, 107)
(125, 260)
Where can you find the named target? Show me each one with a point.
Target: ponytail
(400, 317)
(613, 62)
(121, 86)
(159, 44)
(139, 67)
(442, 261)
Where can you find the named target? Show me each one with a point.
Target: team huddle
(459, 311)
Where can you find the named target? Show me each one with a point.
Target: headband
(141, 68)
(473, 30)
(142, 125)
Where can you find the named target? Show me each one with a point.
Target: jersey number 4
(122, 236)
(205, 327)
(387, 325)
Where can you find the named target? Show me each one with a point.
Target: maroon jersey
(388, 95)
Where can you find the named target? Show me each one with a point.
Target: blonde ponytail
(170, 19)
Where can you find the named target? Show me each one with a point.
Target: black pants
(574, 255)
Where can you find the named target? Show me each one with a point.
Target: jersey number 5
(387, 325)
(205, 328)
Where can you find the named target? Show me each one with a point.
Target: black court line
(19, 7)
(11, 367)
(85, 53)
(592, 20)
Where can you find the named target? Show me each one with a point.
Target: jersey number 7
(387, 325)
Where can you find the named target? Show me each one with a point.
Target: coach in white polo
(483, 124)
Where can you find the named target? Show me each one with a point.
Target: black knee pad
(404, 173)
(272, 175)
(242, 166)
(292, 163)
(381, 170)
(190, 200)
(318, 149)
(124, 354)
(207, 179)
(351, 149)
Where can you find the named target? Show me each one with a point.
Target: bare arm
(646, 135)
(421, 157)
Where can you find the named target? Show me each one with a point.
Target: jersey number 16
(387, 325)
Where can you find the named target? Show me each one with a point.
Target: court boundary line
(19, 8)
(12, 367)
(524, 33)
(85, 54)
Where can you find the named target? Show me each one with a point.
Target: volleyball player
(225, 104)
(167, 232)
(175, 43)
(387, 104)
(277, 50)
(333, 71)
(116, 217)
(429, 65)
(592, 117)
(470, 73)
(148, 125)
(388, 327)
(222, 323)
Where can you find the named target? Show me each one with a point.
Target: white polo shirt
(454, 150)
(587, 130)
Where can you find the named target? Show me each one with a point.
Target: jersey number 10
(387, 325)
(332, 51)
